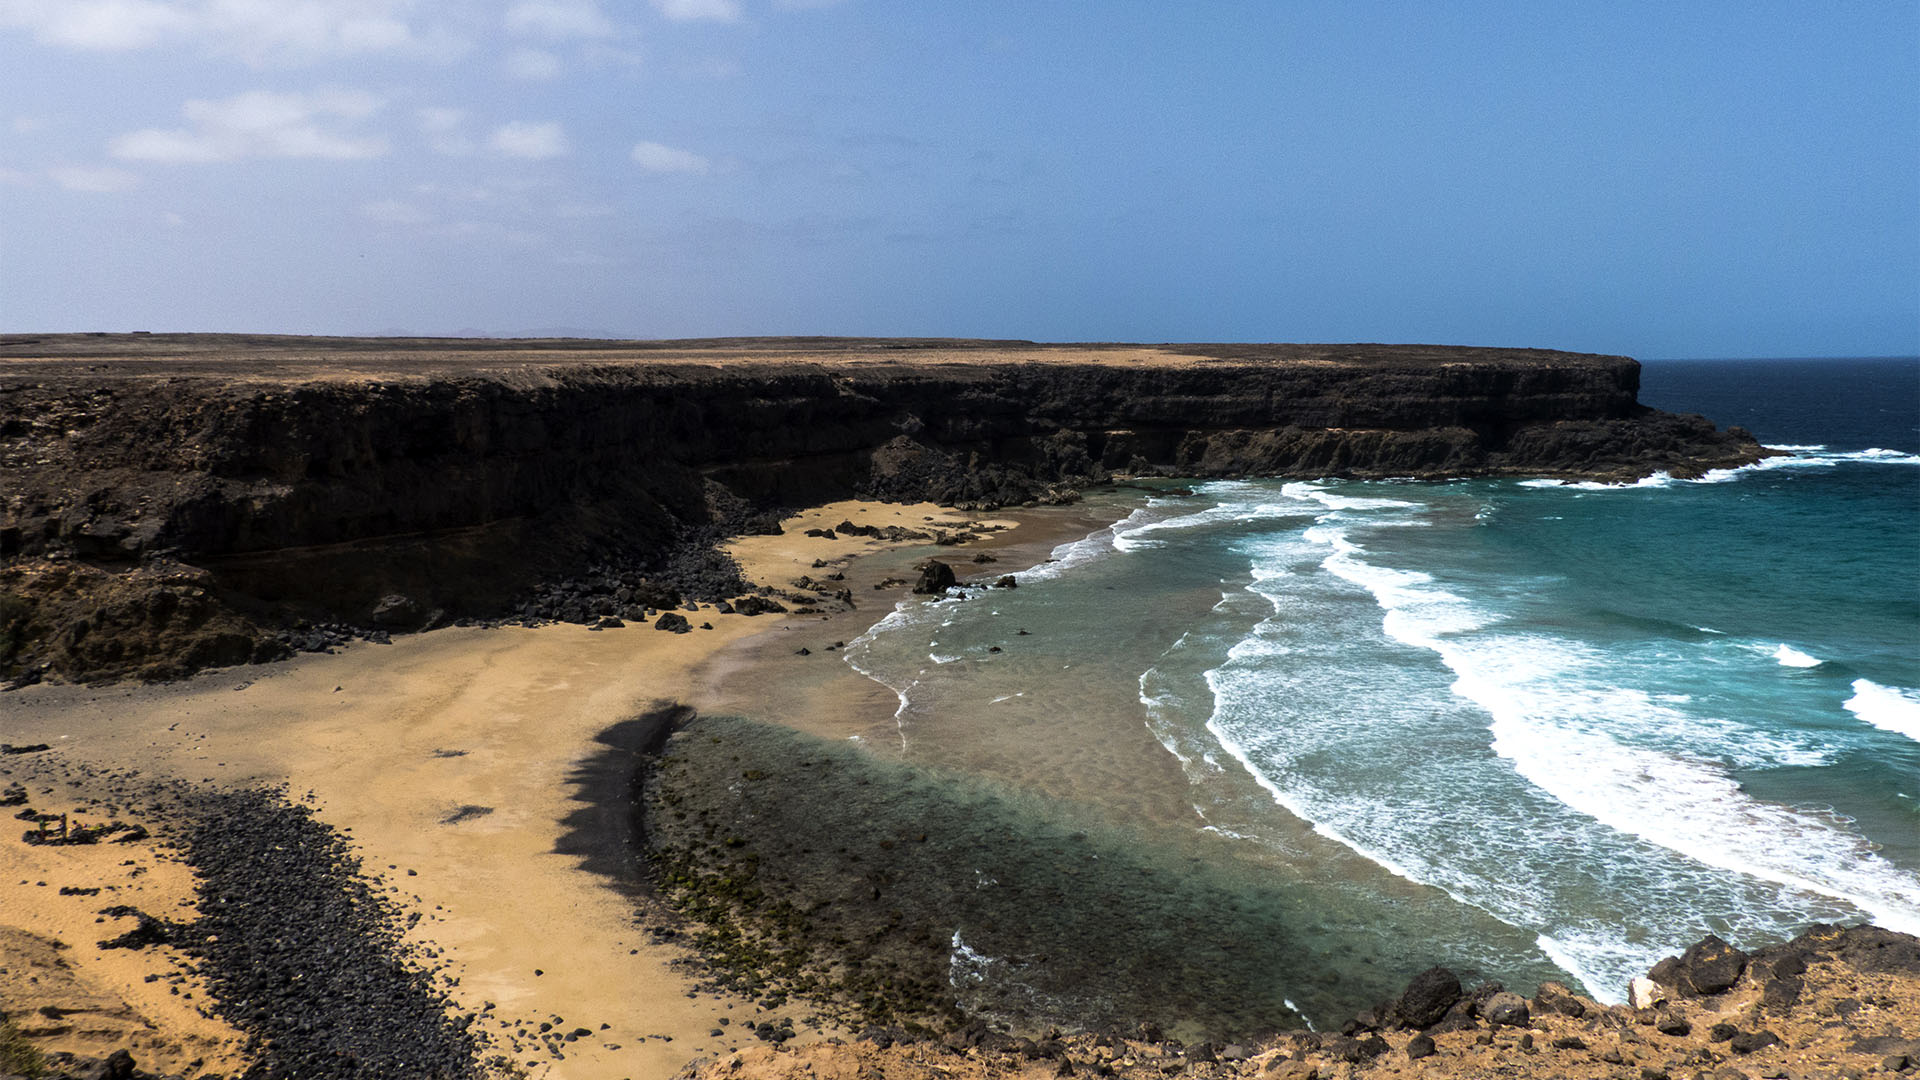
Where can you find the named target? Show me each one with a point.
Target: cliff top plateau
(295, 358)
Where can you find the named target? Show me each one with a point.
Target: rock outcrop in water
(178, 501)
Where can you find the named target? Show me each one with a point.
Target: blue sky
(1657, 179)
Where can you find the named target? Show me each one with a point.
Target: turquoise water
(1532, 729)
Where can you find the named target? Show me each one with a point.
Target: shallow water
(1533, 729)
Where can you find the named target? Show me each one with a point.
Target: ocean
(1529, 729)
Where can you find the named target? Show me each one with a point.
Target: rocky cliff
(176, 501)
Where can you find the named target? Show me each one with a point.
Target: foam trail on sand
(1886, 708)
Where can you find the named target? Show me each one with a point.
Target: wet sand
(461, 764)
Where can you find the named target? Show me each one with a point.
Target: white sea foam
(966, 966)
(1299, 808)
(1792, 657)
(902, 616)
(1302, 489)
(1077, 553)
(1574, 953)
(1145, 534)
(1565, 736)
(1887, 708)
(1656, 480)
(1820, 457)
(1693, 807)
(1609, 753)
(1795, 457)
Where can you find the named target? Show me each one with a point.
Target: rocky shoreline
(1834, 1003)
(831, 910)
(179, 502)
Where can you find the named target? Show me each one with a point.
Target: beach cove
(454, 760)
(1092, 789)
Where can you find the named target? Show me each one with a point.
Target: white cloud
(527, 140)
(260, 32)
(690, 10)
(438, 118)
(103, 25)
(656, 158)
(261, 123)
(445, 130)
(533, 65)
(15, 177)
(93, 179)
(559, 19)
(28, 125)
(394, 212)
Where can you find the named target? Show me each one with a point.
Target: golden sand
(447, 758)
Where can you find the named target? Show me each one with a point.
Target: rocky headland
(177, 502)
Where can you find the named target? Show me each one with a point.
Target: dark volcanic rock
(1428, 997)
(936, 578)
(671, 621)
(1556, 997)
(1748, 1041)
(1710, 966)
(158, 525)
(359, 1008)
(1507, 1010)
(757, 605)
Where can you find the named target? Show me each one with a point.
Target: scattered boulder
(936, 578)
(1553, 997)
(1748, 1041)
(673, 622)
(1709, 966)
(1428, 997)
(118, 1066)
(1507, 1009)
(1644, 993)
(1713, 966)
(395, 611)
(1420, 1046)
(758, 605)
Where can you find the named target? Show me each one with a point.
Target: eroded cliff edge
(170, 502)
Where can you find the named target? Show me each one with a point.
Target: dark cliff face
(257, 494)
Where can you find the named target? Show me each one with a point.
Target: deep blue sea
(1533, 729)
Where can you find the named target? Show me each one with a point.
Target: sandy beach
(454, 761)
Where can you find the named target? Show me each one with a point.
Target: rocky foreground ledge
(1832, 1004)
(174, 502)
